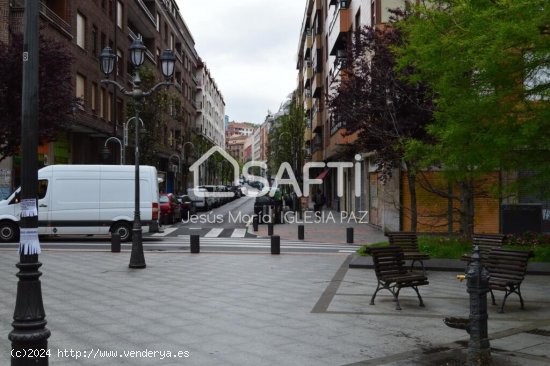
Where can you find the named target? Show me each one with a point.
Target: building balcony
(308, 74)
(317, 85)
(308, 103)
(339, 30)
(317, 122)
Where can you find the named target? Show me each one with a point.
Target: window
(103, 40)
(81, 89)
(119, 14)
(80, 30)
(120, 62)
(94, 41)
(42, 188)
(94, 98)
(171, 41)
(102, 103)
(109, 107)
(158, 22)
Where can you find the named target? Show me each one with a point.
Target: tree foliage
(375, 101)
(488, 62)
(286, 139)
(55, 92)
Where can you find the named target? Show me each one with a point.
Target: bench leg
(375, 292)
(415, 288)
(520, 298)
(493, 297)
(396, 298)
(506, 294)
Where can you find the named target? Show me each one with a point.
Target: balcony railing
(55, 19)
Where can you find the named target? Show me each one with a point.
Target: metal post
(115, 243)
(349, 235)
(270, 229)
(255, 223)
(300, 232)
(137, 258)
(195, 244)
(479, 349)
(275, 244)
(29, 337)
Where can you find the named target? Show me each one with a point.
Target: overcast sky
(250, 47)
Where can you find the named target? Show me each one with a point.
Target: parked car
(187, 206)
(212, 201)
(199, 202)
(170, 209)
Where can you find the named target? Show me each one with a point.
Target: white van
(86, 200)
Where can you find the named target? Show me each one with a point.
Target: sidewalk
(330, 229)
(235, 309)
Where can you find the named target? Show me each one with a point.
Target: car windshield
(163, 199)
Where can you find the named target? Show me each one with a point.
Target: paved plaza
(243, 309)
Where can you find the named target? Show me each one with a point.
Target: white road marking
(214, 233)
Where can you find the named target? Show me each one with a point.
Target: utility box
(519, 218)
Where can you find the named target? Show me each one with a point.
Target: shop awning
(323, 174)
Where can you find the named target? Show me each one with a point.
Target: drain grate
(541, 332)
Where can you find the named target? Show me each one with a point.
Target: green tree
(286, 140)
(488, 63)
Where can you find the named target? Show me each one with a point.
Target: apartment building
(239, 128)
(326, 31)
(236, 145)
(100, 111)
(210, 119)
(327, 28)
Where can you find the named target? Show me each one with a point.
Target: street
(227, 228)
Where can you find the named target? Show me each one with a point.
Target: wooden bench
(507, 268)
(409, 243)
(392, 275)
(486, 243)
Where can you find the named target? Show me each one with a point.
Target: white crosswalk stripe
(166, 231)
(213, 233)
(238, 233)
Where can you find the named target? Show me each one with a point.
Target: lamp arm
(153, 89)
(120, 87)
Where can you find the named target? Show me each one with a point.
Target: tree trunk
(467, 208)
(412, 191)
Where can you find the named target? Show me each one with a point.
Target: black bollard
(275, 244)
(300, 232)
(255, 223)
(270, 229)
(349, 235)
(115, 243)
(195, 244)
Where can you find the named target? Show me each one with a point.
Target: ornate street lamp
(107, 61)
(29, 337)
(106, 152)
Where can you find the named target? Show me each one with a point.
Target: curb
(449, 265)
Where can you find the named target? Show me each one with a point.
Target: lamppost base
(137, 259)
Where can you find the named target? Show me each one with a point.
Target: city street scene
(297, 182)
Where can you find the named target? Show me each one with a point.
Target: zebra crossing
(207, 232)
(265, 243)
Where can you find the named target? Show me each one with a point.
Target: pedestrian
(318, 202)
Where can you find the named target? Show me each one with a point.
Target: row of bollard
(275, 244)
(301, 231)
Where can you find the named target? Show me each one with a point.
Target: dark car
(187, 206)
(170, 209)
